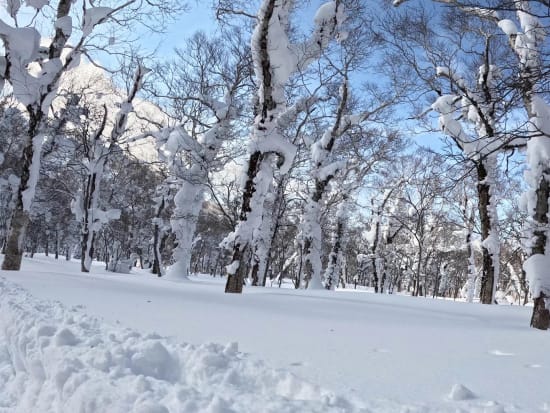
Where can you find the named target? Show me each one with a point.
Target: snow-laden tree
(161, 226)
(205, 86)
(275, 59)
(37, 52)
(526, 40)
(12, 129)
(384, 226)
(477, 106)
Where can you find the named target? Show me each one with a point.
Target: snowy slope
(394, 353)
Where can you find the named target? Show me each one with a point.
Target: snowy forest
(357, 191)
(397, 147)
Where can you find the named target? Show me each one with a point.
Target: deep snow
(384, 353)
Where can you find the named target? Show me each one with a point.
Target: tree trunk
(541, 315)
(487, 270)
(20, 218)
(235, 280)
(14, 245)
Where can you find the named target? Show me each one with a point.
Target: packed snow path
(394, 353)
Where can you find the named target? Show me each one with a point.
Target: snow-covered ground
(97, 348)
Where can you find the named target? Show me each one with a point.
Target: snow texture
(58, 359)
(375, 350)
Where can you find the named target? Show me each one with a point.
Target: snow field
(54, 359)
(380, 353)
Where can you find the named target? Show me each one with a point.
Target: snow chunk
(536, 269)
(232, 268)
(325, 13)
(442, 71)
(277, 144)
(154, 360)
(93, 17)
(65, 24)
(65, 338)
(461, 392)
(508, 27)
(28, 193)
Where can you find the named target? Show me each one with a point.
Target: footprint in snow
(380, 350)
(296, 364)
(501, 353)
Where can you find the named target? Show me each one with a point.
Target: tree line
(272, 151)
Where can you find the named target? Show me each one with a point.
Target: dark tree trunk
(20, 217)
(541, 315)
(487, 270)
(235, 281)
(56, 244)
(334, 253)
(83, 250)
(47, 246)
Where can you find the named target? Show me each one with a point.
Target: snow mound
(54, 359)
(461, 392)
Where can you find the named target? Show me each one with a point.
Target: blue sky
(199, 17)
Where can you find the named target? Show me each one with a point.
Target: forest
(398, 147)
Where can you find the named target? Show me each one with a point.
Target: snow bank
(58, 359)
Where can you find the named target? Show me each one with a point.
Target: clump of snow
(55, 359)
(442, 71)
(28, 192)
(536, 269)
(461, 392)
(508, 27)
(65, 24)
(93, 17)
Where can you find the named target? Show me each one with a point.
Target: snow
(508, 27)
(93, 17)
(461, 392)
(54, 359)
(324, 13)
(65, 24)
(382, 353)
(28, 192)
(536, 269)
(277, 144)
